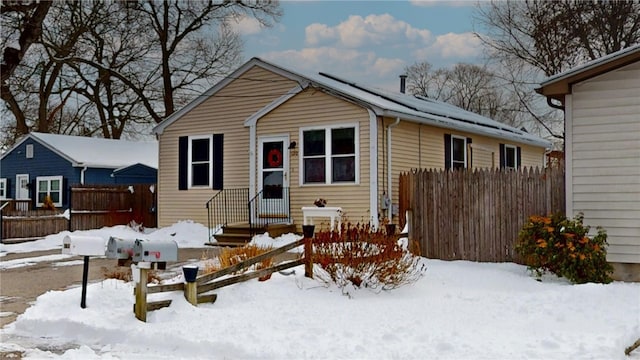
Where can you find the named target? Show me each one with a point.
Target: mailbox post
(86, 246)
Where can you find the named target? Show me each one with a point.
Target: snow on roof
(422, 109)
(99, 152)
(591, 64)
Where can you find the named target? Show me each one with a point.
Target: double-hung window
(50, 186)
(3, 188)
(330, 155)
(200, 161)
(510, 156)
(455, 151)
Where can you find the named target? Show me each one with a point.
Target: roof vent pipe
(403, 83)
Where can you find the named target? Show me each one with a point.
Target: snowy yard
(458, 310)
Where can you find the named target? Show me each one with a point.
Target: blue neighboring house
(41, 165)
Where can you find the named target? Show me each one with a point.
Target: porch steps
(239, 234)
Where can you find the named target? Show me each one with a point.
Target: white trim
(253, 119)
(373, 169)
(3, 187)
(568, 154)
(515, 156)
(328, 155)
(48, 179)
(190, 162)
(253, 159)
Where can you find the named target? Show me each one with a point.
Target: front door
(273, 178)
(22, 187)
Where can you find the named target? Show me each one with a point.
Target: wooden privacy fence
(476, 215)
(94, 206)
(91, 207)
(200, 291)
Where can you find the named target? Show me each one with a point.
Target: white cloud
(245, 25)
(357, 31)
(354, 65)
(452, 45)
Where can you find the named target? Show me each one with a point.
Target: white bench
(334, 213)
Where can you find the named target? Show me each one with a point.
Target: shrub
(362, 257)
(231, 256)
(562, 246)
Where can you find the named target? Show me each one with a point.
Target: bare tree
(112, 67)
(22, 24)
(550, 37)
(470, 87)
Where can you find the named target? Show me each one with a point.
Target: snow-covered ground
(457, 310)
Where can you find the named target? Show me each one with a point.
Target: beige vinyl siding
(313, 108)
(223, 113)
(417, 146)
(605, 159)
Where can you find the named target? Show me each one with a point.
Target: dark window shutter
(503, 158)
(518, 156)
(183, 162)
(218, 166)
(447, 151)
(65, 191)
(33, 192)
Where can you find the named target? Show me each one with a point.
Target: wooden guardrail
(199, 291)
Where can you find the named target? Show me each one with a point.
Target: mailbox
(155, 251)
(120, 249)
(83, 245)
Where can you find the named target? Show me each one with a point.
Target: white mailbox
(121, 249)
(83, 245)
(155, 251)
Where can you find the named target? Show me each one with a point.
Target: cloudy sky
(366, 41)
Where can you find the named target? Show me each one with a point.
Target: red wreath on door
(274, 158)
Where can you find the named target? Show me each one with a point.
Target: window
(200, 161)
(3, 189)
(200, 164)
(29, 151)
(49, 186)
(455, 151)
(510, 156)
(330, 155)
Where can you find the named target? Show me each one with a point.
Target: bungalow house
(601, 103)
(41, 165)
(290, 138)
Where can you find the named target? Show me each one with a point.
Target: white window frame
(464, 139)
(3, 189)
(515, 157)
(329, 156)
(48, 179)
(29, 151)
(190, 162)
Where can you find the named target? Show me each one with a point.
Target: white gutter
(373, 169)
(389, 177)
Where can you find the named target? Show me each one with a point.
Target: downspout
(373, 169)
(82, 175)
(389, 177)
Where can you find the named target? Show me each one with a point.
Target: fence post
(308, 231)
(191, 286)
(140, 276)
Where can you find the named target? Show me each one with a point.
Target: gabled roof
(557, 86)
(96, 152)
(381, 102)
